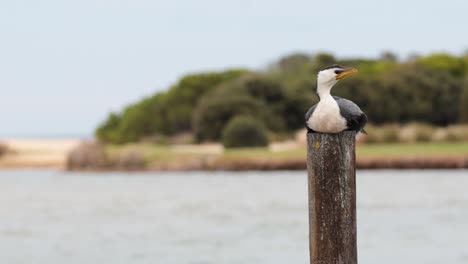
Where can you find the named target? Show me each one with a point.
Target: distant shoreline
(52, 154)
(259, 165)
(264, 165)
(377, 164)
(31, 153)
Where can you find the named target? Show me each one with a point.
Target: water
(215, 218)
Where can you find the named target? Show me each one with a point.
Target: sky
(64, 65)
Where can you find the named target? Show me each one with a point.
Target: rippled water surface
(214, 218)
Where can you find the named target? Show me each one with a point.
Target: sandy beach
(36, 152)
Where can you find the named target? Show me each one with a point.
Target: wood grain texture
(332, 198)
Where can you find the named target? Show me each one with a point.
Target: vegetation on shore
(417, 109)
(432, 89)
(3, 149)
(213, 157)
(244, 131)
(415, 132)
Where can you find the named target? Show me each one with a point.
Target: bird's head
(331, 75)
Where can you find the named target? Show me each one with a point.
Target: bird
(333, 114)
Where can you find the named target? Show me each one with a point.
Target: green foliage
(445, 62)
(426, 89)
(213, 113)
(244, 131)
(413, 92)
(108, 131)
(255, 94)
(186, 93)
(163, 113)
(464, 103)
(322, 60)
(285, 107)
(293, 62)
(143, 119)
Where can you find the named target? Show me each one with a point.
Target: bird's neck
(323, 91)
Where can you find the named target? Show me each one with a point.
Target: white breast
(326, 118)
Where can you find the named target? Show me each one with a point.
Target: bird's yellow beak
(346, 73)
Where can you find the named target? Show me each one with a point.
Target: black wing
(308, 115)
(355, 118)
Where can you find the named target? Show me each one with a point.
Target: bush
(440, 134)
(457, 133)
(87, 156)
(464, 103)
(424, 133)
(131, 160)
(3, 149)
(212, 114)
(382, 134)
(108, 130)
(416, 132)
(244, 131)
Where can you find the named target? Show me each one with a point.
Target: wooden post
(332, 198)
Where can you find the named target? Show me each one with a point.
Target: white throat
(323, 89)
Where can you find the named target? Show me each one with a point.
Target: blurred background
(173, 131)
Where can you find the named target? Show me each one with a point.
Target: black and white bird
(333, 114)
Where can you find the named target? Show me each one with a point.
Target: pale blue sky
(65, 64)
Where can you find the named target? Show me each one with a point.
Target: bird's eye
(338, 72)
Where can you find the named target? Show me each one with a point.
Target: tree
(143, 119)
(424, 89)
(213, 113)
(184, 96)
(322, 60)
(413, 92)
(244, 131)
(163, 113)
(464, 102)
(388, 56)
(283, 109)
(108, 131)
(444, 62)
(293, 62)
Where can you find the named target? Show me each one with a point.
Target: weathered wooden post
(332, 198)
